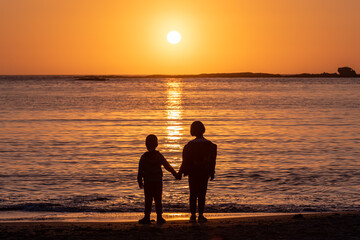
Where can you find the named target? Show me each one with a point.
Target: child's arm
(185, 162)
(213, 161)
(167, 166)
(141, 173)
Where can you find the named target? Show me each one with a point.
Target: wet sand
(294, 226)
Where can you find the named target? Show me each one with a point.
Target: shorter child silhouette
(150, 171)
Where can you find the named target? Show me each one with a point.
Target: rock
(346, 72)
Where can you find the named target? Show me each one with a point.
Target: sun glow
(174, 116)
(174, 37)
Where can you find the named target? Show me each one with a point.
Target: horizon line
(218, 74)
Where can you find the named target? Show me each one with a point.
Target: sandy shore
(295, 226)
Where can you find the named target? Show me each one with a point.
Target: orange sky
(129, 37)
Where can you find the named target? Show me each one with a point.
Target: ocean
(284, 144)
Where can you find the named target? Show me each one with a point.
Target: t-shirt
(199, 157)
(150, 166)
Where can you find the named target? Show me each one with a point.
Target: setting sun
(180, 37)
(174, 37)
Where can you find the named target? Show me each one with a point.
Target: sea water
(284, 144)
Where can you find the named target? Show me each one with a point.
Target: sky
(129, 37)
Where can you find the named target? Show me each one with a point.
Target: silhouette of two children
(199, 159)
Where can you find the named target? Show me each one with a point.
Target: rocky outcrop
(346, 72)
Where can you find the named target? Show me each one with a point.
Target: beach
(341, 225)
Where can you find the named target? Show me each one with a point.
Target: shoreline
(330, 225)
(125, 217)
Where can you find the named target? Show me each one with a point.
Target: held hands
(177, 175)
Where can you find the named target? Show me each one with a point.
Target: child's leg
(202, 193)
(158, 197)
(194, 189)
(158, 202)
(148, 190)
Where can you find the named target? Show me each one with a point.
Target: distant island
(342, 72)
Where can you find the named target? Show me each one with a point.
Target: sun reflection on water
(174, 116)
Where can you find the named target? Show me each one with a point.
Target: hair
(197, 129)
(151, 142)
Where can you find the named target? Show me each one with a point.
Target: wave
(220, 208)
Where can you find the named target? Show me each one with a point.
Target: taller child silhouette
(199, 159)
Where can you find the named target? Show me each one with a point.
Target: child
(199, 159)
(150, 170)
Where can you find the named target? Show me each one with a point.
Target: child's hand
(212, 176)
(178, 176)
(141, 185)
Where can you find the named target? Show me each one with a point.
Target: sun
(174, 37)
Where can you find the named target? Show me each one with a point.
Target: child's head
(197, 129)
(151, 142)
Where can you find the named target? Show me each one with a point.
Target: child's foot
(160, 220)
(145, 220)
(202, 219)
(192, 218)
